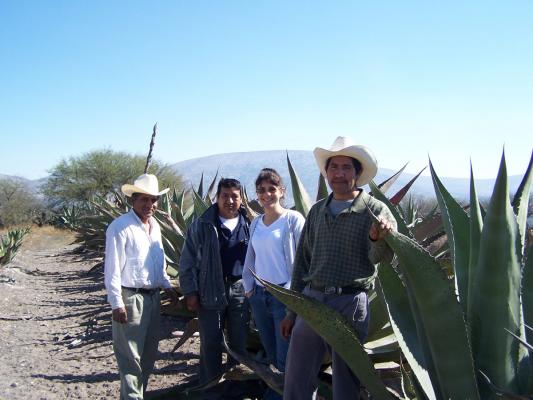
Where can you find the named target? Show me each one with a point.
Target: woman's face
(269, 195)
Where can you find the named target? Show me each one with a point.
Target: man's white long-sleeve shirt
(133, 257)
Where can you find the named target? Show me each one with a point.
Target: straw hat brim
(360, 153)
(128, 190)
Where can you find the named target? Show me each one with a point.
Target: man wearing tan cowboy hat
(336, 264)
(134, 273)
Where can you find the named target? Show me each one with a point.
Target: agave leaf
(164, 202)
(378, 194)
(177, 213)
(526, 364)
(522, 341)
(392, 290)
(496, 297)
(527, 294)
(445, 332)
(379, 334)
(190, 329)
(302, 201)
(387, 183)
(409, 388)
(457, 226)
(498, 393)
(337, 331)
(211, 190)
(199, 204)
(521, 200)
(430, 225)
(251, 212)
(403, 191)
(388, 352)
(322, 191)
(476, 227)
(380, 317)
(273, 378)
(200, 190)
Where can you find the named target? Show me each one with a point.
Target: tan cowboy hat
(146, 184)
(343, 146)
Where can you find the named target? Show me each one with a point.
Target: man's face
(342, 177)
(144, 205)
(229, 201)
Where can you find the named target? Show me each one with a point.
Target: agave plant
(10, 244)
(463, 337)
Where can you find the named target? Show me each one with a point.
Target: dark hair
(137, 194)
(271, 176)
(228, 183)
(356, 164)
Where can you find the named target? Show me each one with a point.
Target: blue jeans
(268, 312)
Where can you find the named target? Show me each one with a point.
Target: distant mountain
(245, 167)
(33, 185)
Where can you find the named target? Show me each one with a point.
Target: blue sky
(452, 80)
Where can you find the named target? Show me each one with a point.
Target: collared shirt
(336, 251)
(133, 257)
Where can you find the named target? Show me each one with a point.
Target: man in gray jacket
(210, 274)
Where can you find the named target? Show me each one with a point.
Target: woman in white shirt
(271, 250)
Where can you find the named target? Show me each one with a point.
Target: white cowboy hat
(343, 146)
(146, 184)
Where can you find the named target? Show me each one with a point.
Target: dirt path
(55, 333)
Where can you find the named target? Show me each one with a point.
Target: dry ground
(55, 336)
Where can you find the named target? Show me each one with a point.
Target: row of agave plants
(452, 309)
(10, 244)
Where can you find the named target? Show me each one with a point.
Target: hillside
(245, 167)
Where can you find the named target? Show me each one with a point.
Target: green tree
(18, 203)
(99, 172)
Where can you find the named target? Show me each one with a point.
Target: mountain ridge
(246, 165)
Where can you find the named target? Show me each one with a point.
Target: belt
(337, 289)
(232, 278)
(141, 290)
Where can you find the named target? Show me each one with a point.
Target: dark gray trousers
(307, 350)
(235, 318)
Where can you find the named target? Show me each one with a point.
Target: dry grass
(42, 238)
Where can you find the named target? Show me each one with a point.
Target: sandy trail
(55, 333)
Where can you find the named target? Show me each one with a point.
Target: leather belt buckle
(332, 290)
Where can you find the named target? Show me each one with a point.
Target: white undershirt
(267, 242)
(230, 223)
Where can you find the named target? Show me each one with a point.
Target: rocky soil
(55, 332)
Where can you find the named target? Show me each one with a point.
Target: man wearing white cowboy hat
(335, 264)
(134, 273)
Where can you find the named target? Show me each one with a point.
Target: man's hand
(380, 229)
(120, 315)
(285, 326)
(193, 302)
(249, 294)
(172, 295)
